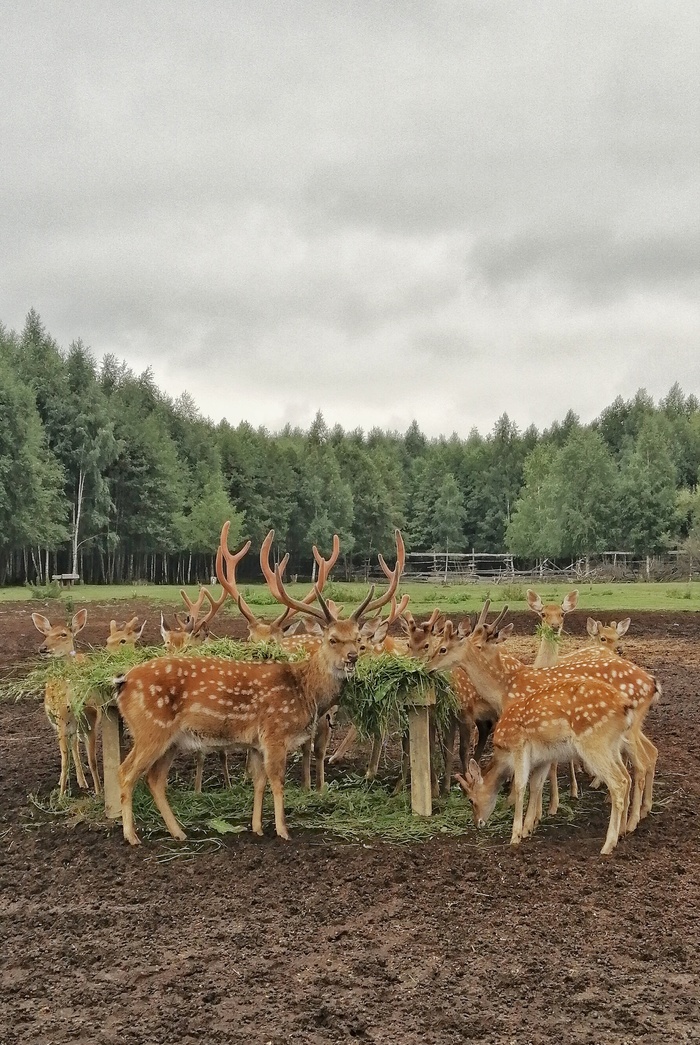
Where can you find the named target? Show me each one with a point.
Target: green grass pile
(377, 697)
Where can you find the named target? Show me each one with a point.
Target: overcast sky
(381, 210)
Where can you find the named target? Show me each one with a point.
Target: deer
(59, 642)
(266, 708)
(588, 719)
(127, 634)
(552, 615)
(504, 678)
(283, 629)
(193, 631)
(608, 635)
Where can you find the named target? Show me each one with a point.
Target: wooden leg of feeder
(111, 757)
(419, 733)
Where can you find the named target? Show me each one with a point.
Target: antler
(397, 611)
(277, 588)
(393, 575)
(226, 564)
(193, 624)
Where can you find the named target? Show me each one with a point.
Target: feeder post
(419, 737)
(111, 758)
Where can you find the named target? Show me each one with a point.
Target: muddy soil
(317, 941)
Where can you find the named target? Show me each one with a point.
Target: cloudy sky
(386, 211)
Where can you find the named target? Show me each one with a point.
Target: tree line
(103, 475)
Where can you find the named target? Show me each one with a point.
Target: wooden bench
(66, 579)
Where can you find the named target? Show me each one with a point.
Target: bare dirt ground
(318, 941)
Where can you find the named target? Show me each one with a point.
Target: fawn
(552, 616)
(588, 719)
(266, 707)
(59, 641)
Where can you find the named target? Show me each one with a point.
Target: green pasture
(454, 599)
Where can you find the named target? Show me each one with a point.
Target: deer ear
(592, 627)
(141, 630)
(534, 601)
(164, 629)
(504, 633)
(463, 628)
(79, 621)
(292, 628)
(474, 776)
(623, 626)
(112, 627)
(131, 625)
(462, 783)
(569, 601)
(41, 623)
(381, 632)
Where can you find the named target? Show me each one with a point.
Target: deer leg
(553, 790)
(199, 772)
(157, 779)
(306, 764)
(448, 750)
(65, 756)
(534, 805)
(223, 758)
(573, 782)
(613, 772)
(466, 736)
(520, 778)
(432, 745)
(92, 718)
(347, 742)
(373, 764)
(405, 763)
(79, 771)
(275, 765)
(256, 769)
(321, 741)
(485, 729)
(652, 753)
(137, 762)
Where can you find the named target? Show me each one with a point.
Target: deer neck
(487, 676)
(548, 652)
(322, 684)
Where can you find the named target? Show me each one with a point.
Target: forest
(103, 475)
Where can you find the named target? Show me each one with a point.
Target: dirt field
(316, 941)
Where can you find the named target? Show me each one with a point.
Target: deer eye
(443, 649)
(122, 641)
(333, 642)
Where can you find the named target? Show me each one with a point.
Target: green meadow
(452, 598)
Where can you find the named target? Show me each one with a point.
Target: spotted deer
(586, 719)
(552, 615)
(504, 679)
(59, 642)
(608, 635)
(266, 708)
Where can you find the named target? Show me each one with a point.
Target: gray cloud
(430, 210)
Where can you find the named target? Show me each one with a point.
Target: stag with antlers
(266, 708)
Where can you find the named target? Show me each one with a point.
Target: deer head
(481, 796)
(552, 613)
(192, 629)
(59, 639)
(127, 634)
(608, 635)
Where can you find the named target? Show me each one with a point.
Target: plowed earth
(318, 941)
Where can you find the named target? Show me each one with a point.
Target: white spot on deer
(159, 702)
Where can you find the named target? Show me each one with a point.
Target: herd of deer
(588, 707)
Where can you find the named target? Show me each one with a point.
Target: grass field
(453, 598)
